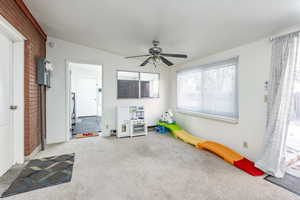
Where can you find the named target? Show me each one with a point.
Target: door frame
(17, 71)
(68, 92)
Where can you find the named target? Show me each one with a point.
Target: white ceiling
(195, 27)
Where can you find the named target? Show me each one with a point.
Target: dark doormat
(288, 182)
(44, 172)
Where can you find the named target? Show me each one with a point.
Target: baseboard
(114, 131)
(154, 126)
(33, 154)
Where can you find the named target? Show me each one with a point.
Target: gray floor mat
(40, 173)
(87, 124)
(288, 182)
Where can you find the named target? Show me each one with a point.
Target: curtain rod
(275, 37)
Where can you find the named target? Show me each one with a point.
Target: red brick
(35, 47)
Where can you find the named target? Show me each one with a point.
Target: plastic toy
(167, 117)
(162, 129)
(222, 151)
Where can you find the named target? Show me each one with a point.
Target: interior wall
(34, 48)
(83, 70)
(56, 96)
(253, 71)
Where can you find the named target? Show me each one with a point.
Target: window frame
(139, 72)
(233, 120)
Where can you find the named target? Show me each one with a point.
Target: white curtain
(282, 78)
(209, 89)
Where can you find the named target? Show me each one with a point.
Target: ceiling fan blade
(145, 62)
(166, 61)
(174, 55)
(137, 56)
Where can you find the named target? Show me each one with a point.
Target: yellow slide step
(224, 152)
(188, 138)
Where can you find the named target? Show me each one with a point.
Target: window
(128, 84)
(149, 85)
(137, 85)
(209, 89)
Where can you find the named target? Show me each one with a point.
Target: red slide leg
(248, 166)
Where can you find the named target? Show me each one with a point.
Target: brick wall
(34, 48)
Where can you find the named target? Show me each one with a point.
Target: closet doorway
(85, 99)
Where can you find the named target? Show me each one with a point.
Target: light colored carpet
(155, 167)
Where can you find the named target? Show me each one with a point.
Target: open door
(86, 101)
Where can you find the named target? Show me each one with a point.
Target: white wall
(56, 95)
(84, 70)
(254, 65)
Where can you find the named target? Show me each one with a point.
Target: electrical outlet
(245, 144)
(107, 126)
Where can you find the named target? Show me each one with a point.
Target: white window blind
(209, 89)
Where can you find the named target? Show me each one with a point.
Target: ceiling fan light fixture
(156, 61)
(156, 56)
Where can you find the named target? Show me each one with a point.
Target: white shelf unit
(131, 121)
(138, 128)
(123, 122)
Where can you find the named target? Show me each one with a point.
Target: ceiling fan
(157, 56)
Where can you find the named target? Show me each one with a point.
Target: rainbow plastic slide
(222, 151)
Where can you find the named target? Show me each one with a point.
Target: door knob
(13, 107)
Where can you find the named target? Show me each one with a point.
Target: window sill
(208, 116)
(138, 98)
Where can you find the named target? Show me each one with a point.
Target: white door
(6, 132)
(87, 97)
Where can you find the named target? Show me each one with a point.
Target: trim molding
(31, 18)
(208, 116)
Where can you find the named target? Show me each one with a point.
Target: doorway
(11, 96)
(86, 98)
(293, 138)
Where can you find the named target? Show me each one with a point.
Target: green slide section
(172, 127)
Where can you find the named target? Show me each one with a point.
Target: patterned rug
(42, 173)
